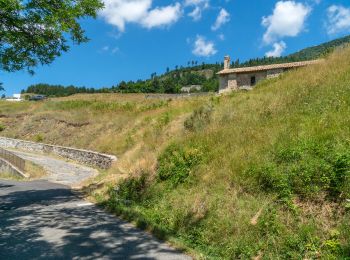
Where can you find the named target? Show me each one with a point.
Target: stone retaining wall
(177, 96)
(91, 158)
(7, 167)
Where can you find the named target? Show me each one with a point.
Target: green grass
(281, 150)
(263, 174)
(10, 176)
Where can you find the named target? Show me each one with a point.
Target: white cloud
(196, 14)
(162, 16)
(203, 47)
(105, 48)
(223, 17)
(108, 49)
(338, 19)
(221, 36)
(278, 49)
(115, 50)
(196, 2)
(288, 19)
(121, 12)
(199, 6)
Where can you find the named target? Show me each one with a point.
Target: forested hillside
(194, 74)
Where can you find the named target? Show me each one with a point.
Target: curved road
(45, 220)
(59, 170)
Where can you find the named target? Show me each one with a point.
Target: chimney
(226, 62)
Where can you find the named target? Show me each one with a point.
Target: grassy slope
(266, 174)
(127, 125)
(270, 177)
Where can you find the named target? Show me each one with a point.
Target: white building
(15, 98)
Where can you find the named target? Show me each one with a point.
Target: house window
(252, 81)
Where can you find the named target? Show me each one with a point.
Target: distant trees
(58, 90)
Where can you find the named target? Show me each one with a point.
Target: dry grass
(34, 171)
(212, 210)
(129, 126)
(10, 176)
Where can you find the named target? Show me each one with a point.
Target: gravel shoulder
(59, 170)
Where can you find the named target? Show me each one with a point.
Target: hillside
(317, 51)
(173, 80)
(263, 174)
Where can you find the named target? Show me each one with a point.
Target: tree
(35, 32)
(1, 87)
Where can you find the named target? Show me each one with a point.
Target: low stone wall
(177, 96)
(7, 167)
(91, 158)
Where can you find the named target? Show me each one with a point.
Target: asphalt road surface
(43, 220)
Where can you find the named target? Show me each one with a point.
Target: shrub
(176, 163)
(130, 189)
(307, 169)
(199, 118)
(341, 180)
(2, 127)
(163, 120)
(38, 138)
(333, 245)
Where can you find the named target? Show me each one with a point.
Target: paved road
(43, 220)
(59, 170)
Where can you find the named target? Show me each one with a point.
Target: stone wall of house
(228, 82)
(244, 79)
(236, 81)
(274, 73)
(91, 158)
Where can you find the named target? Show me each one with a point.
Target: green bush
(199, 118)
(307, 169)
(163, 120)
(38, 138)
(2, 127)
(130, 189)
(177, 162)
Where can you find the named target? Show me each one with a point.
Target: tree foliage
(60, 91)
(34, 32)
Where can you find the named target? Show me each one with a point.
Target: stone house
(247, 77)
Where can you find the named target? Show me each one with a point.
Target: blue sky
(133, 38)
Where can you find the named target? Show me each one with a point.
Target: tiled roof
(269, 67)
